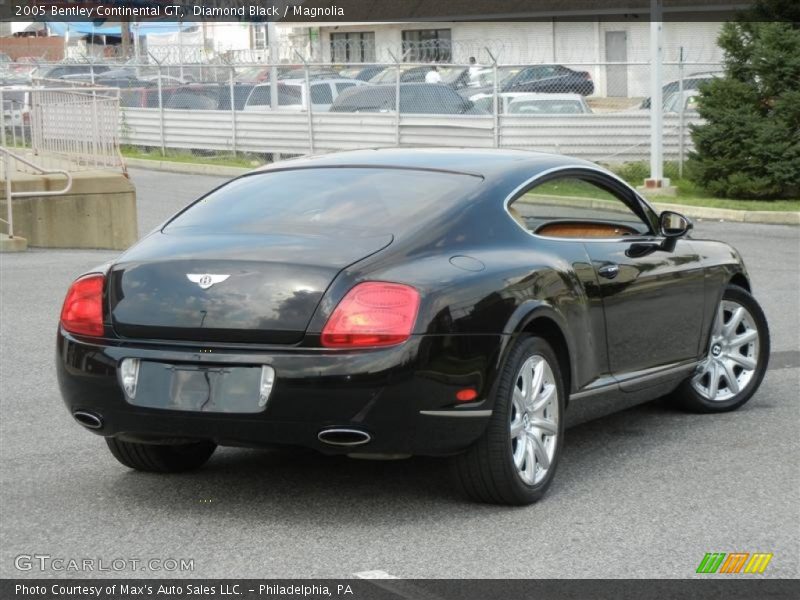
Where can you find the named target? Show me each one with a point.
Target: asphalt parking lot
(643, 493)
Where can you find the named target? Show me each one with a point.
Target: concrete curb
(187, 168)
(726, 214)
(695, 212)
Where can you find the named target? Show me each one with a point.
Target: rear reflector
(373, 313)
(466, 395)
(82, 312)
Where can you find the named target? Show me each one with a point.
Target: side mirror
(674, 225)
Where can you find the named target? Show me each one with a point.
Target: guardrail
(9, 168)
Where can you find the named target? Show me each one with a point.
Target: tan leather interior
(579, 229)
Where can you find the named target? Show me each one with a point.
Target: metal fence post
(681, 116)
(309, 107)
(233, 110)
(656, 95)
(161, 113)
(495, 102)
(310, 110)
(396, 100)
(2, 119)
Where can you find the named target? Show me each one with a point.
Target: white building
(584, 45)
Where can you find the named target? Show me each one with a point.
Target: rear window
(327, 200)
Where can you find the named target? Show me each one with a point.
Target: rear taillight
(82, 312)
(373, 313)
(586, 75)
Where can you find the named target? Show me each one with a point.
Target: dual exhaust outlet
(342, 436)
(88, 419)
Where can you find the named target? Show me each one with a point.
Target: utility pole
(656, 182)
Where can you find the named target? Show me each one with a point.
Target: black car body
(454, 77)
(542, 79)
(250, 280)
(415, 98)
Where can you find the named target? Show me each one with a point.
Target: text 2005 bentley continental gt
(386, 303)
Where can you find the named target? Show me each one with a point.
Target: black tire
(161, 458)
(486, 471)
(688, 398)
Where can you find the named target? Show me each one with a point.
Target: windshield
(546, 107)
(504, 74)
(326, 200)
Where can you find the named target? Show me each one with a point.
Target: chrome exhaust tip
(338, 436)
(87, 419)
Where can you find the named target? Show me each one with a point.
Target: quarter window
(571, 207)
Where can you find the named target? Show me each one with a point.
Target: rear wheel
(516, 458)
(736, 360)
(157, 458)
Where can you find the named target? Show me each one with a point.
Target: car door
(652, 288)
(322, 95)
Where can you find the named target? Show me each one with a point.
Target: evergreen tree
(749, 145)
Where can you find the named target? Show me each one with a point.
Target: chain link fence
(597, 110)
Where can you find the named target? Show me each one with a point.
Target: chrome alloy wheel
(534, 419)
(732, 354)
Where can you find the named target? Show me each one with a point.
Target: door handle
(608, 271)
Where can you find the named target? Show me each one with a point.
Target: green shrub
(749, 144)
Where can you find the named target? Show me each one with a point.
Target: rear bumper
(388, 393)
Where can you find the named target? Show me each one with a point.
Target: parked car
(686, 101)
(364, 73)
(548, 104)
(17, 108)
(547, 79)
(534, 104)
(690, 83)
(145, 97)
(196, 97)
(455, 77)
(60, 70)
(261, 74)
(415, 98)
(387, 303)
(293, 94)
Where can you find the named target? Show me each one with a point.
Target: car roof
(493, 165)
(531, 96)
(296, 82)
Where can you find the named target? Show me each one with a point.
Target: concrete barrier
(99, 211)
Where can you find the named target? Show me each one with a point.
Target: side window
(321, 94)
(570, 207)
(260, 96)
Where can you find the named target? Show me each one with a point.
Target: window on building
(260, 37)
(353, 46)
(426, 45)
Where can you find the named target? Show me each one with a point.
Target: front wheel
(161, 458)
(736, 360)
(516, 458)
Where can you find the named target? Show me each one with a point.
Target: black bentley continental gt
(387, 303)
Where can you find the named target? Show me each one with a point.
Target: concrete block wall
(99, 211)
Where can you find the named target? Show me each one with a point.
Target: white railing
(9, 164)
(65, 127)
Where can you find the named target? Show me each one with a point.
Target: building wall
(579, 44)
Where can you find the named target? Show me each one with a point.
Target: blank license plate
(220, 389)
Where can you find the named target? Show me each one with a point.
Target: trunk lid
(226, 287)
